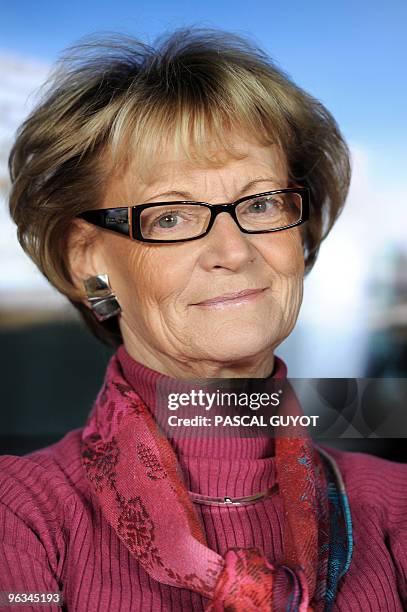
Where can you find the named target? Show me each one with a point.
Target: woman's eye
(262, 206)
(179, 222)
(167, 221)
(258, 207)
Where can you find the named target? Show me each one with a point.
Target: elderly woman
(177, 196)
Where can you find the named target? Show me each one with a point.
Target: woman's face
(160, 287)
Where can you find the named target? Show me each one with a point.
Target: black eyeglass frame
(126, 219)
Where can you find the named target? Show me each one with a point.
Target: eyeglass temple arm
(115, 219)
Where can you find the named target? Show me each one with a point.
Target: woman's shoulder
(372, 481)
(48, 476)
(376, 489)
(60, 457)
(44, 498)
(41, 497)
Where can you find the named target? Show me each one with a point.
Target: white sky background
(330, 337)
(338, 309)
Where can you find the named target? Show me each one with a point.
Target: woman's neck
(254, 366)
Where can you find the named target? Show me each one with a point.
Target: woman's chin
(240, 346)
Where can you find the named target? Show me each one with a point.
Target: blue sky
(351, 55)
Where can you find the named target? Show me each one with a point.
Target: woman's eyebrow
(186, 195)
(263, 179)
(183, 195)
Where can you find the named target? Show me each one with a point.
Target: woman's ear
(84, 254)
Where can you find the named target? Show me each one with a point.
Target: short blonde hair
(118, 99)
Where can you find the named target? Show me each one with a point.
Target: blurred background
(353, 322)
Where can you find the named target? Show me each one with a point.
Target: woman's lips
(228, 299)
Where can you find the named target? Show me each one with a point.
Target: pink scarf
(139, 484)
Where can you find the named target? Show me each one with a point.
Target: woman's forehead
(242, 162)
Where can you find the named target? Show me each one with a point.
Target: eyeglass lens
(181, 221)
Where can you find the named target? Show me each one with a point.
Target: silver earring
(102, 300)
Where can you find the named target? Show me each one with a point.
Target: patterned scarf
(135, 474)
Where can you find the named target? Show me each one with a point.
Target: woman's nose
(226, 245)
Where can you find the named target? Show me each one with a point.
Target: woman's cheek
(295, 248)
(158, 273)
(286, 255)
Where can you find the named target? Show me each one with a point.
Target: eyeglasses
(165, 222)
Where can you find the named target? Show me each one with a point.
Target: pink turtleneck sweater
(54, 538)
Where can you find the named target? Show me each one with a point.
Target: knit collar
(144, 381)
